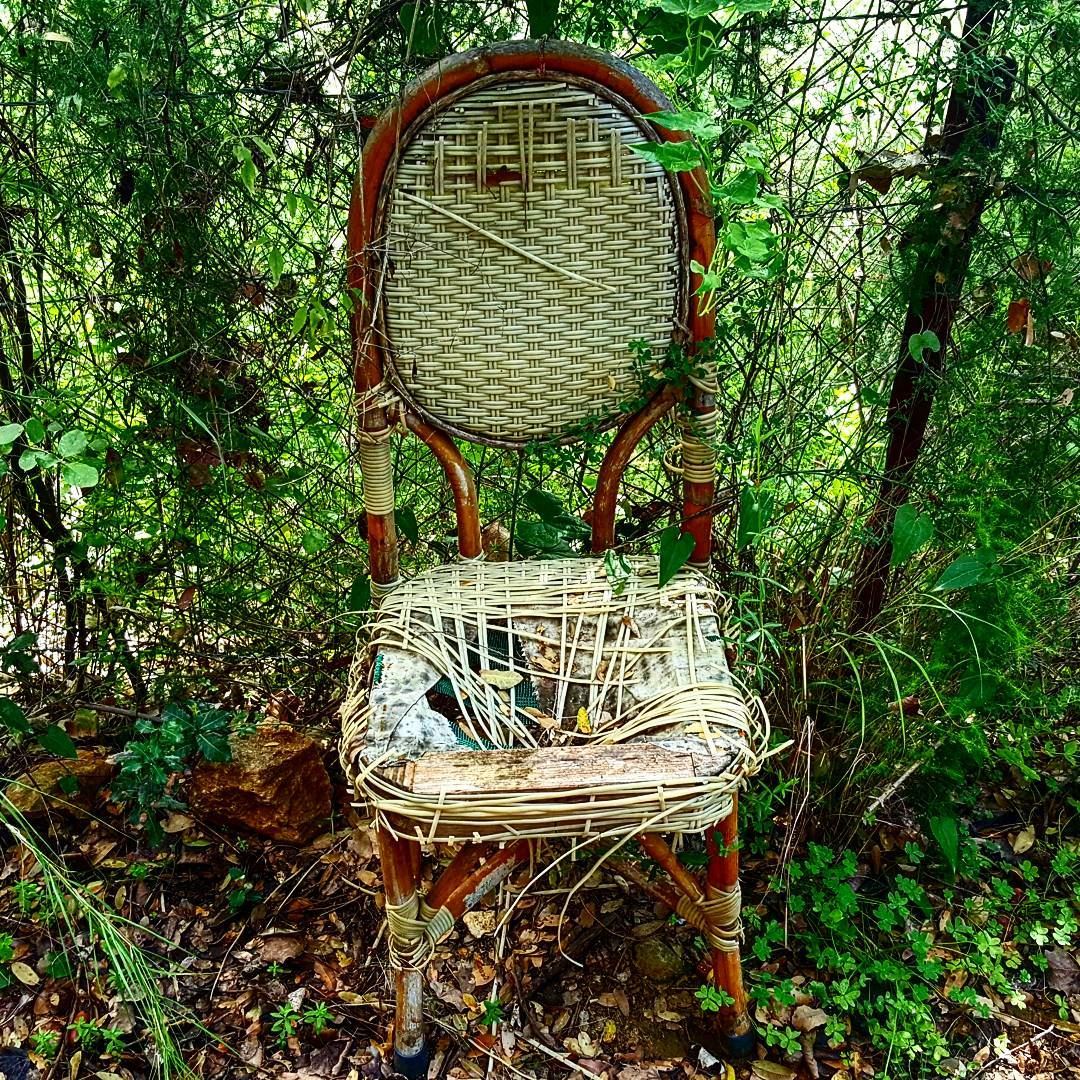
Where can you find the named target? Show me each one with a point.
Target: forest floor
(279, 962)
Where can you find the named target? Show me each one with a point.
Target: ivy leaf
(405, 520)
(710, 279)
(9, 433)
(742, 189)
(676, 547)
(966, 571)
(78, 474)
(754, 240)
(35, 430)
(699, 124)
(73, 443)
(13, 718)
(911, 530)
(673, 156)
(755, 509)
(58, 742)
(919, 343)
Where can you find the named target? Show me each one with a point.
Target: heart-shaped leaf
(911, 530)
(675, 548)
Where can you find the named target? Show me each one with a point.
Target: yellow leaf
(610, 1030)
(501, 680)
(1025, 838)
(24, 973)
(584, 724)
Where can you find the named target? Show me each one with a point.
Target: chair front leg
(722, 897)
(400, 865)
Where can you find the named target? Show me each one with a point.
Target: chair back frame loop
(555, 75)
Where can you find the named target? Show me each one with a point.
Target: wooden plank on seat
(551, 768)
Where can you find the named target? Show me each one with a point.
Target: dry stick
(894, 787)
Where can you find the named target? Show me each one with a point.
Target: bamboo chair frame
(480, 866)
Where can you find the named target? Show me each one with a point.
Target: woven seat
(470, 660)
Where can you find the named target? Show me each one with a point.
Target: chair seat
(501, 700)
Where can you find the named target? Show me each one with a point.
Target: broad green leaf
(674, 156)
(78, 474)
(423, 25)
(745, 6)
(945, 830)
(755, 509)
(116, 76)
(248, 174)
(676, 547)
(543, 15)
(314, 541)
(9, 433)
(405, 520)
(30, 459)
(58, 742)
(919, 343)
(754, 240)
(540, 539)
(742, 189)
(299, 319)
(264, 146)
(35, 430)
(290, 204)
(911, 530)
(359, 594)
(73, 443)
(966, 571)
(547, 506)
(700, 124)
(12, 717)
(693, 9)
(276, 263)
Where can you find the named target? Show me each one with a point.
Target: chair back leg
(722, 890)
(400, 861)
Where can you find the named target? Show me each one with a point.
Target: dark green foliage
(161, 748)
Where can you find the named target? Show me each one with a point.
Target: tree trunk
(973, 124)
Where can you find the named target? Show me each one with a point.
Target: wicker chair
(506, 245)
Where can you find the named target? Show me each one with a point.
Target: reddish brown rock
(42, 788)
(276, 785)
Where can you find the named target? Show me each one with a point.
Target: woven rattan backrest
(526, 246)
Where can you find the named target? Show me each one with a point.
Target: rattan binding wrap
(595, 647)
(527, 246)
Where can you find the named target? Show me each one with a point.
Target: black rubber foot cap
(413, 1066)
(741, 1046)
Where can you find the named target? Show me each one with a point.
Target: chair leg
(400, 879)
(722, 881)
